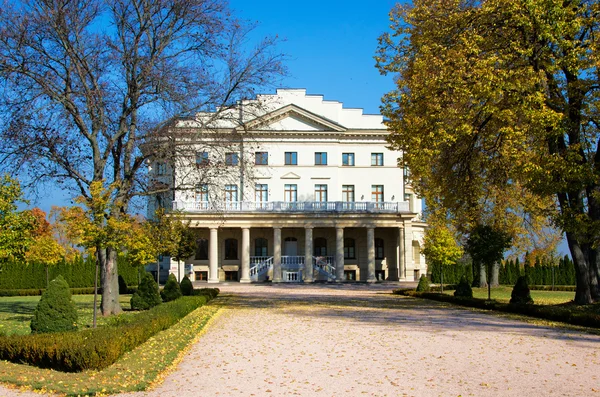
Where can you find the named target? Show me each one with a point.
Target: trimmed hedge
(78, 273)
(561, 313)
(95, 348)
(40, 291)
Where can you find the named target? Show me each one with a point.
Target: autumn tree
(15, 226)
(440, 248)
(495, 111)
(45, 249)
(88, 83)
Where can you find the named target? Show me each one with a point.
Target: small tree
(172, 290)
(15, 226)
(520, 293)
(55, 311)
(440, 248)
(186, 286)
(423, 284)
(44, 249)
(486, 245)
(146, 296)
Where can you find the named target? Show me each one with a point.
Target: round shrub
(463, 289)
(423, 284)
(186, 286)
(147, 295)
(55, 311)
(171, 290)
(520, 293)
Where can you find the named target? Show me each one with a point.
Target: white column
(399, 255)
(308, 259)
(408, 251)
(277, 255)
(213, 256)
(371, 255)
(339, 255)
(245, 255)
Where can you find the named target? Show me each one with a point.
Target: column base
(245, 281)
(340, 281)
(213, 281)
(308, 281)
(277, 281)
(372, 281)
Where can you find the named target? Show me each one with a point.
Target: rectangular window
(321, 193)
(231, 249)
(348, 159)
(291, 158)
(348, 193)
(202, 193)
(232, 158)
(161, 168)
(231, 193)
(261, 158)
(201, 158)
(261, 193)
(377, 193)
(320, 158)
(377, 159)
(201, 249)
(290, 193)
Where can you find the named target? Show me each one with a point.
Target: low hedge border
(40, 291)
(567, 288)
(564, 314)
(100, 347)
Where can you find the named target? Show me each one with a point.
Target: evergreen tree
(147, 295)
(172, 290)
(55, 311)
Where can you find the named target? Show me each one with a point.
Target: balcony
(297, 206)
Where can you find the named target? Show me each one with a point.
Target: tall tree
(45, 249)
(496, 111)
(440, 248)
(88, 83)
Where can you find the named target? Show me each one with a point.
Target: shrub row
(78, 273)
(564, 313)
(556, 288)
(39, 291)
(96, 348)
(543, 272)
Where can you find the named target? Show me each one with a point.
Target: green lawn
(16, 312)
(502, 294)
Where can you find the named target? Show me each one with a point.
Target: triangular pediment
(292, 118)
(290, 175)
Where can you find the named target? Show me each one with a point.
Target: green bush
(186, 286)
(423, 284)
(171, 291)
(210, 292)
(55, 311)
(463, 289)
(95, 349)
(520, 294)
(146, 296)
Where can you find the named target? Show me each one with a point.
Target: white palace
(291, 188)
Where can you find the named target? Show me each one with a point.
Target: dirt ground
(358, 340)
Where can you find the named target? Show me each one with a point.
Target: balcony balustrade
(296, 206)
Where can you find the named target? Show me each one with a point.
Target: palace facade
(291, 188)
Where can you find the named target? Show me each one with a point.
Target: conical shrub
(147, 295)
(55, 311)
(187, 289)
(463, 289)
(171, 290)
(423, 284)
(520, 293)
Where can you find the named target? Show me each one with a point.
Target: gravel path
(357, 340)
(353, 340)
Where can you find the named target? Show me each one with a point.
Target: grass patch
(134, 371)
(16, 312)
(502, 294)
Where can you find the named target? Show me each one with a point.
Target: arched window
(201, 249)
(260, 247)
(320, 246)
(349, 248)
(231, 249)
(379, 251)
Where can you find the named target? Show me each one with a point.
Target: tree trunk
(583, 293)
(482, 276)
(110, 282)
(595, 274)
(495, 275)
